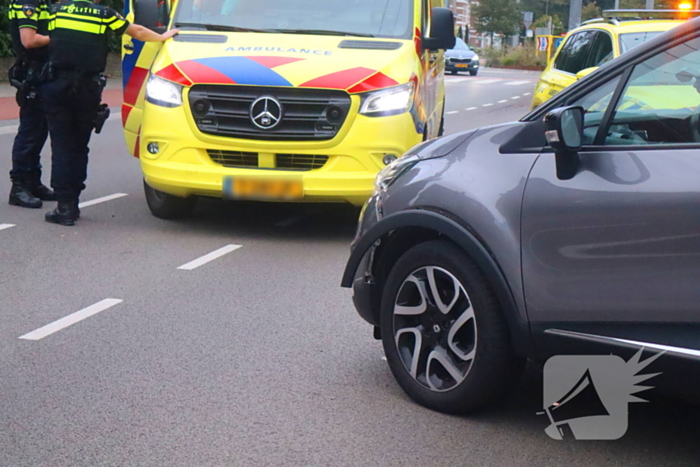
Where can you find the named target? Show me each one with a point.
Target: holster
(101, 117)
(23, 77)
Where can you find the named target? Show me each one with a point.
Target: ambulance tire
(165, 206)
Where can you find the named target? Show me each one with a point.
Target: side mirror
(149, 14)
(565, 135)
(586, 72)
(442, 30)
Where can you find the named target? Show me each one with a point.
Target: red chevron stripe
(198, 73)
(376, 81)
(340, 80)
(126, 110)
(272, 62)
(133, 87)
(173, 73)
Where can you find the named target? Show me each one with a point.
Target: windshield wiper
(323, 32)
(221, 27)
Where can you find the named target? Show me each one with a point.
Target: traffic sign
(543, 43)
(527, 19)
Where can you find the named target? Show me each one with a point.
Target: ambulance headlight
(391, 101)
(162, 92)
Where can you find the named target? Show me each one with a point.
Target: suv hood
(329, 62)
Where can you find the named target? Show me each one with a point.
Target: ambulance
(280, 100)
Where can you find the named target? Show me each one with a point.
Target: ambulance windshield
(362, 18)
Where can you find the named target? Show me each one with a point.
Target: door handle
(129, 47)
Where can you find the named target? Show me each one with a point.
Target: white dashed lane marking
(101, 200)
(471, 108)
(452, 112)
(517, 83)
(515, 97)
(70, 319)
(487, 105)
(209, 257)
(6, 226)
(504, 100)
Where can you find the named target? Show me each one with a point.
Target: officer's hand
(171, 33)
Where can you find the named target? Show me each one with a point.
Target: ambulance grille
(301, 161)
(307, 114)
(234, 158)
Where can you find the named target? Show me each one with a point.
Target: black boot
(21, 195)
(76, 209)
(43, 192)
(66, 213)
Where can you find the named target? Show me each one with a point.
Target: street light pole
(575, 14)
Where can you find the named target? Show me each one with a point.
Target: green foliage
(543, 22)
(498, 16)
(591, 11)
(522, 55)
(5, 42)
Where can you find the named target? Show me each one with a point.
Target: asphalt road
(254, 358)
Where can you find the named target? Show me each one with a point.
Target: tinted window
(661, 100)
(563, 54)
(574, 55)
(632, 39)
(601, 49)
(383, 18)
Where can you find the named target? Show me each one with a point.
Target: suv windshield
(366, 18)
(631, 40)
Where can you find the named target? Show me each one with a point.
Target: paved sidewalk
(112, 96)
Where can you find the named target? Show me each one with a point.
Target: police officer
(29, 31)
(73, 89)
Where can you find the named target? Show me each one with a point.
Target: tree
(497, 16)
(459, 33)
(543, 22)
(591, 11)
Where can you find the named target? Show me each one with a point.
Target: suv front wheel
(443, 331)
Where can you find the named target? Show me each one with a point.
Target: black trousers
(71, 103)
(30, 139)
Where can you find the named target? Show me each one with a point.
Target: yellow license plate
(261, 188)
(462, 65)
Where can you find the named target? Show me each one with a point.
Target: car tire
(165, 206)
(469, 334)
(441, 129)
(473, 73)
(453, 72)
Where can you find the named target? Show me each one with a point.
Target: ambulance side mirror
(152, 14)
(442, 30)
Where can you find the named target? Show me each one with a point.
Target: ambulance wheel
(165, 206)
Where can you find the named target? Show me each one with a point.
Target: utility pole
(650, 4)
(575, 14)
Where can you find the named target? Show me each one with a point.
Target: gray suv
(573, 230)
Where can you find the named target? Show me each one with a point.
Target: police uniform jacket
(78, 31)
(33, 14)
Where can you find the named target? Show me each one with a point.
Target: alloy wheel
(434, 328)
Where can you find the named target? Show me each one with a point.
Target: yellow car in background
(596, 42)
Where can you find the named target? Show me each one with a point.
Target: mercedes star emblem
(266, 112)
